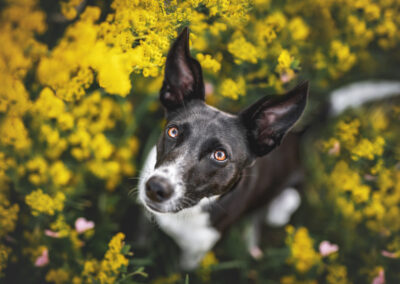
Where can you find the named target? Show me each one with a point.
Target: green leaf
(187, 279)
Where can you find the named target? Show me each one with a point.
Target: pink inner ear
(268, 118)
(186, 80)
(266, 121)
(264, 124)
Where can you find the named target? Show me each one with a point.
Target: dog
(210, 167)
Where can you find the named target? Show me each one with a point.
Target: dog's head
(202, 150)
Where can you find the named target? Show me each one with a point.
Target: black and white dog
(210, 167)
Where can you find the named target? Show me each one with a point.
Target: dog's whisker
(134, 178)
(134, 191)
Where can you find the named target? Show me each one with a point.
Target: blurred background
(79, 111)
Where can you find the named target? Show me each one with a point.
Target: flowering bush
(78, 80)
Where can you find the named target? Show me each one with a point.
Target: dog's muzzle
(158, 189)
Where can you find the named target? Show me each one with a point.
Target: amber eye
(219, 155)
(173, 132)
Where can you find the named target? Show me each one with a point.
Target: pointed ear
(270, 118)
(183, 79)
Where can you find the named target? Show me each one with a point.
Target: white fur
(146, 172)
(282, 207)
(170, 172)
(190, 228)
(356, 94)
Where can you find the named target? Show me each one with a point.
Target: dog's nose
(158, 189)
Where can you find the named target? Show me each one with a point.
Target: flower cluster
(114, 262)
(355, 188)
(362, 182)
(42, 203)
(73, 75)
(302, 253)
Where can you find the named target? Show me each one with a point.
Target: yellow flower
(42, 203)
(4, 253)
(205, 266)
(38, 170)
(379, 120)
(61, 227)
(284, 67)
(58, 276)
(13, 133)
(285, 60)
(49, 105)
(302, 253)
(68, 8)
(233, 89)
(90, 267)
(337, 274)
(207, 62)
(242, 50)
(102, 148)
(298, 28)
(347, 132)
(367, 149)
(8, 216)
(108, 269)
(343, 57)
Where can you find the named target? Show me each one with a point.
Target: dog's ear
(269, 119)
(183, 79)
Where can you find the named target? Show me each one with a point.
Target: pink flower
(326, 248)
(369, 177)
(256, 252)
(389, 254)
(51, 234)
(43, 259)
(82, 225)
(335, 150)
(380, 279)
(209, 89)
(285, 77)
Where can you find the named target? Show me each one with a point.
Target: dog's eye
(173, 132)
(219, 155)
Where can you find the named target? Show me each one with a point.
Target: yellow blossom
(4, 253)
(298, 28)
(347, 132)
(345, 59)
(207, 262)
(42, 203)
(61, 227)
(8, 216)
(108, 269)
(285, 65)
(37, 168)
(337, 274)
(207, 62)
(242, 50)
(13, 133)
(302, 253)
(58, 276)
(233, 89)
(379, 120)
(367, 149)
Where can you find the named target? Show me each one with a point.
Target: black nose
(158, 189)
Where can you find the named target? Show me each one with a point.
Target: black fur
(253, 133)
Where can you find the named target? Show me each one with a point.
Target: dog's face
(203, 151)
